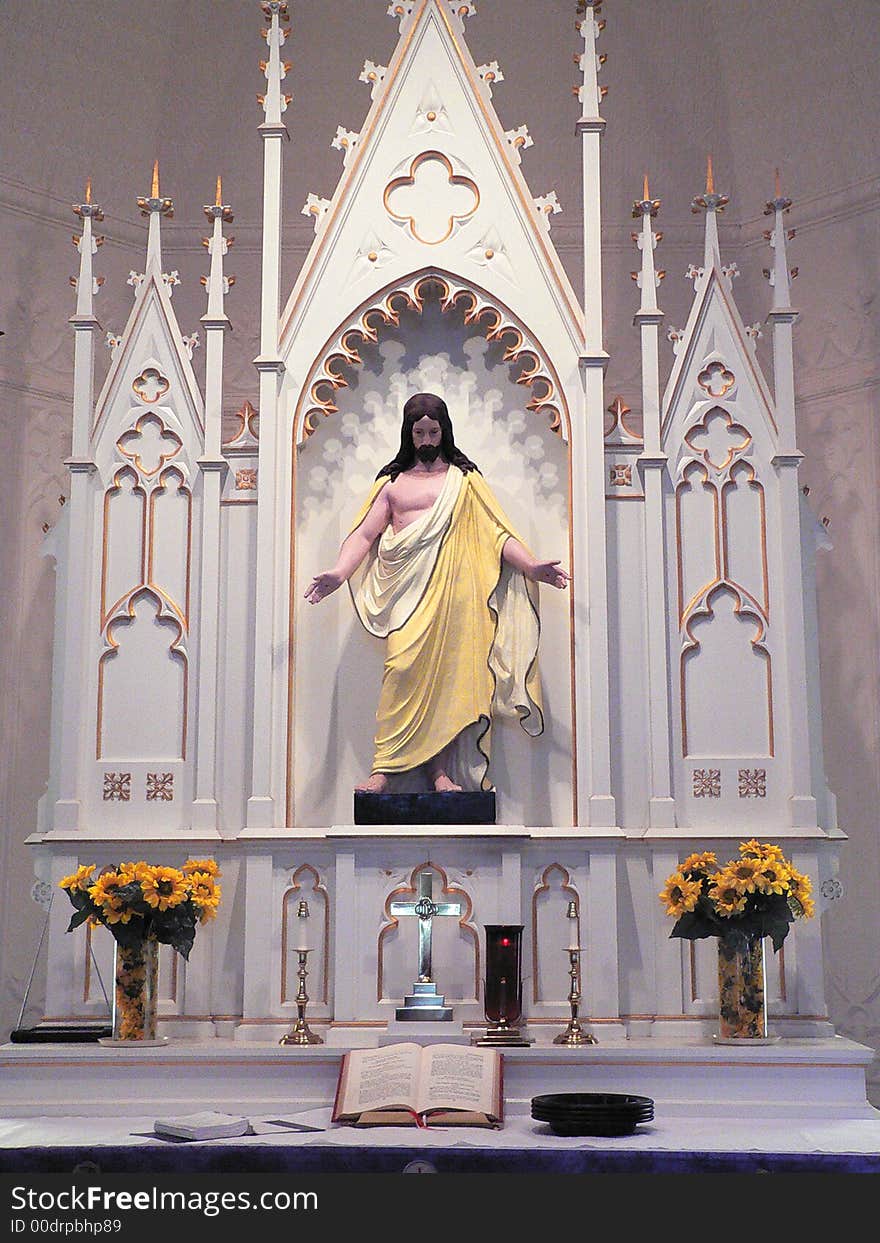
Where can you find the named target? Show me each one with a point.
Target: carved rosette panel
(241, 450)
(725, 667)
(146, 574)
(478, 308)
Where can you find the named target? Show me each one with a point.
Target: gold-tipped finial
(89, 190)
(154, 192)
(645, 192)
(218, 201)
(710, 176)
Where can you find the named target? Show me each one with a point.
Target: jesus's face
(426, 435)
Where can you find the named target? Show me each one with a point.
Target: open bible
(415, 1085)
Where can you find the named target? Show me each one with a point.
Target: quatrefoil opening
(431, 199)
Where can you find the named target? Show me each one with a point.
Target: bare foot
(444, 784)
(376, 783)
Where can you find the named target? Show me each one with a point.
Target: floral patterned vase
(741, 992)
(135, 994)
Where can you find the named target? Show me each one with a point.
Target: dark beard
(427, 453)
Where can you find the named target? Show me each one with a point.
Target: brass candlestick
(301, 1033)
(574, 1034)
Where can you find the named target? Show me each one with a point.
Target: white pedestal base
(424, 1033)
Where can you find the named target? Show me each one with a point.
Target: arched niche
(510, 415)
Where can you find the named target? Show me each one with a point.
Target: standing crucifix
(424, 1003)
(426, 909)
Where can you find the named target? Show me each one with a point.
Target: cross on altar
(426, 909)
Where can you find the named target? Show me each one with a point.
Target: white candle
(572, 916)
(302, 927)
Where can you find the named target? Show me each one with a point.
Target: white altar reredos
(201, 707)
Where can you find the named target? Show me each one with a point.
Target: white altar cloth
(718, 1134)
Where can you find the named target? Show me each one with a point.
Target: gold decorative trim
(248, 428)
(736, 451)
(123, 610)
(165, 433)
(455, 179)
(619, 423)
(686, 484)
(115, 488)
(311, 406)
(149, 377)
(392, 922)
(544, 887)
(491, 125)
(317, 888)
(186, 492)
(691, 646)
(706, 376)
(754, 483)
(478, 307)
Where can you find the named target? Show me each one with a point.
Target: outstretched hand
(550, 572)
(323, 585)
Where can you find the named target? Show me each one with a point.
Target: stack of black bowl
(592, 1113)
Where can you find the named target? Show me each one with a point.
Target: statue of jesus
(436, 570)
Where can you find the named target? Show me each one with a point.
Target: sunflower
(105, 891)
(163, 887)
(205, 894)
(773, 876)
(201, 865)
(761, 850)
(680, 894)
(80, 879)
(726, 896)
(117, 914)
(134, 871)
(800, 888)
(744, 873)
(703, 862)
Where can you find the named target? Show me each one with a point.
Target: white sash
(399, 566)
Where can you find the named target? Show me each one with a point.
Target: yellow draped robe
(462, 633)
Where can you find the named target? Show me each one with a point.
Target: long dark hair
(417, 407)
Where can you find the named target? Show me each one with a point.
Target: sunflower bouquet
(760, 894)
(139, 900)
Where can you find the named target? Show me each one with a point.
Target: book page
(377, 1078)
(459, 1077)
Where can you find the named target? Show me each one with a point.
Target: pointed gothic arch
(479, 307)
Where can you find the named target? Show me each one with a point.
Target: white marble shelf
(811, 1079)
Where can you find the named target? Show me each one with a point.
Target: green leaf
(129, 935)
(77, 918)
(693, 927)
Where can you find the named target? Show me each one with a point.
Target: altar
(204, 710)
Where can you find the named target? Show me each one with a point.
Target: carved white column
(345, 914)
(264, 803)
(79, 559)
(601, 974)
(783, 317)
(261, 930)
(653, 461)
(212, 465)
(595, 801)
(669, 955)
